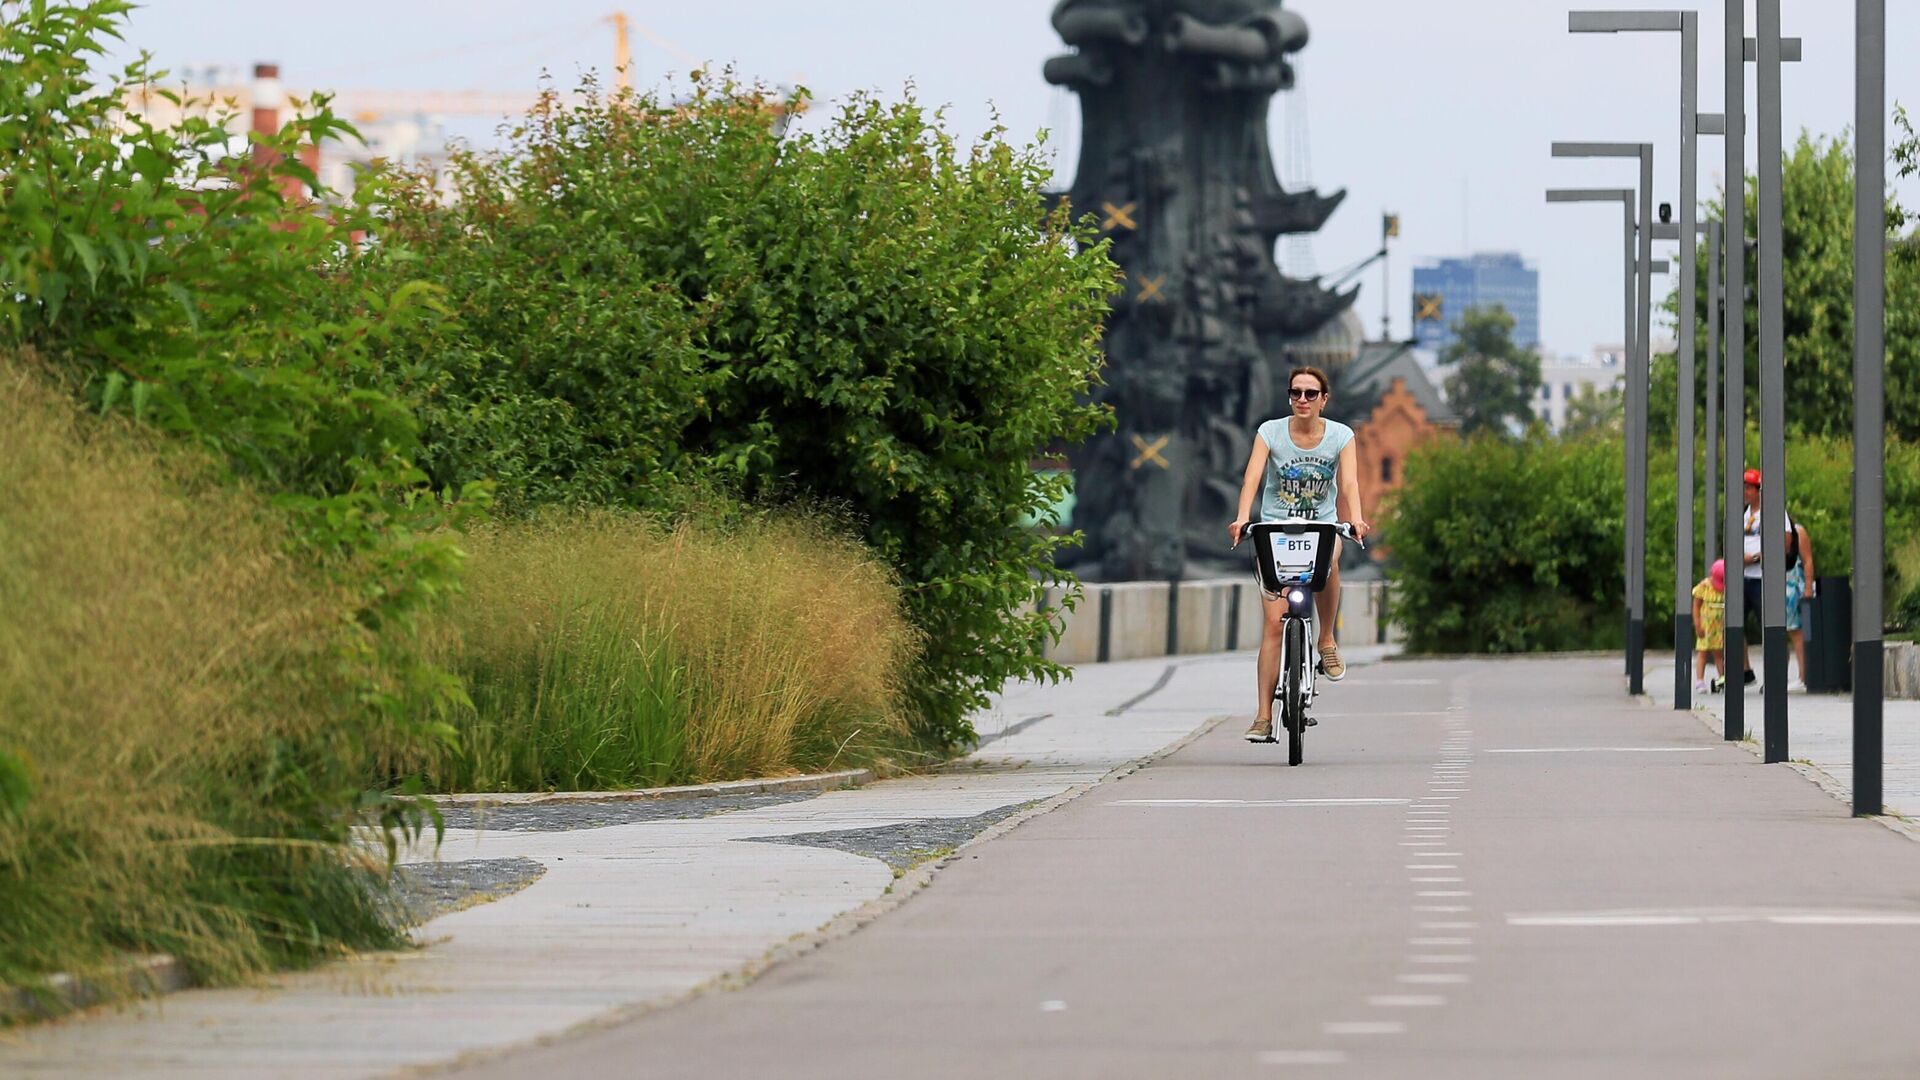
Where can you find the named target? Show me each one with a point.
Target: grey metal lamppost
(1734, 347)
(1686, 23)
(1869, 404)
(1636, 403)
(1624, 196)
(1773, 420)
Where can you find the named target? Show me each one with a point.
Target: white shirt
(1752, 543)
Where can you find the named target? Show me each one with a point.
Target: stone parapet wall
(1135, 619)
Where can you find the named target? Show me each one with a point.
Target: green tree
(650, 293)
(1817, 249)
(1493, 381)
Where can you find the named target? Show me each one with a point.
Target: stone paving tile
(426, 891)
(1820, 732)
(905, 845)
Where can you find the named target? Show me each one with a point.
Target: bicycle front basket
(1292, 553)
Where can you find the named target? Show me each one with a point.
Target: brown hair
(1326, 388)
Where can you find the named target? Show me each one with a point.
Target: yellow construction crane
(622, 52)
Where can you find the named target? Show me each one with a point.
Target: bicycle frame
(1292, 561)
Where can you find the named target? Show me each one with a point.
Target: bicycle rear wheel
(1294, 694)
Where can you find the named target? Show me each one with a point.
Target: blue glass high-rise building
(1443, 289)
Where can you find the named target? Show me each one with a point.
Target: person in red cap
(1750, 579)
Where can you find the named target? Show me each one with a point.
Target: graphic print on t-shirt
(1302, 484)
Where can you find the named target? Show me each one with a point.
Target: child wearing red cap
(1709, 627)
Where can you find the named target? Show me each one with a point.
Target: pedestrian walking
(1800, 593)
(1750, 577)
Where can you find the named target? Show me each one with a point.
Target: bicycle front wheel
(1294, 679)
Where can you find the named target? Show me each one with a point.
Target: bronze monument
(1175, 165)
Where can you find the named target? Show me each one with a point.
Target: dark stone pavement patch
(904, 845)
(425, 891)
(559, 817)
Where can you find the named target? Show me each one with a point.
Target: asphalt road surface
(1484, 869)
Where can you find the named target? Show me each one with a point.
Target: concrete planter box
(1903, 670)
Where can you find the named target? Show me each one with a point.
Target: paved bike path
(1498, 868)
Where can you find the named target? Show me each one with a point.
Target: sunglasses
(1298, 393)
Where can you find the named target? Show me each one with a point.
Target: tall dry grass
(608, 650)
(174, 686)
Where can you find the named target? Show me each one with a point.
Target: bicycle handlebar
(1344, 528)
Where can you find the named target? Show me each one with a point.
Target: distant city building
(1564, 380)
(1444, 289)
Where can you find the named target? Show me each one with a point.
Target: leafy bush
(607, 650)
(650, 293)
(1519, 548)
(175, 775)
(1508, 546)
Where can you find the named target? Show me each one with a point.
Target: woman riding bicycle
(1302, 466)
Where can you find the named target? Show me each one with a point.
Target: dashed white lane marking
(1053, 1006)
(1439, 942)
(1437, 880)
(1600, 750)
(1784, 918)
(1364, 1027)
(1406, 1001)
(1440, 893)
(1302, 1057)
(1438, 978)
(1443, 909)
(1440, 958)
(1422, 843)
(1844, 920)
(1259, 802)
(1439, 854)
(1432, 866)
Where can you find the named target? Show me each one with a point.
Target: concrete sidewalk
(1819, 734)
(631, 917)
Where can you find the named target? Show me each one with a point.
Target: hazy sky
(1441, 112)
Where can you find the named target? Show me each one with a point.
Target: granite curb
(832, 781)
(63, 993)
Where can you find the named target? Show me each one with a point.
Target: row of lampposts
(1726, 371)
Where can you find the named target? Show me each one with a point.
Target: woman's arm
(1698, 629)
(1249, 488)
(1806, 553)
(1346, 503)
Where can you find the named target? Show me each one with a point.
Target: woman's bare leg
(1274, 612)
(1327, 603)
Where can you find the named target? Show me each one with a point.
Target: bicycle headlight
(1298, 596)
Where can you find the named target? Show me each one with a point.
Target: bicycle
(1292, 559)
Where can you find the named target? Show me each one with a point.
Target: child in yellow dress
(1709, 627)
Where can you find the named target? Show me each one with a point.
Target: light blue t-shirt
(1300, 483)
